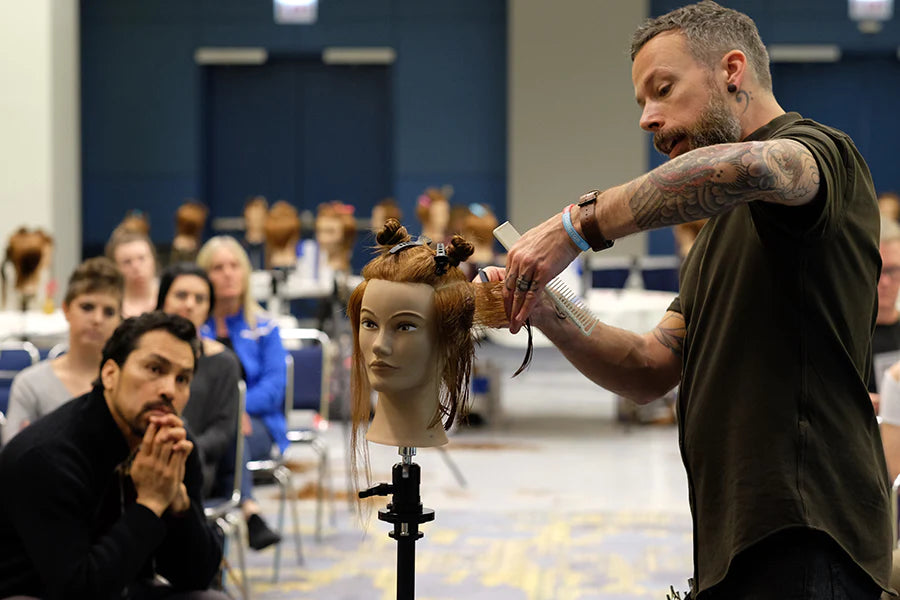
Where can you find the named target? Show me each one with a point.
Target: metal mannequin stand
(406, 513)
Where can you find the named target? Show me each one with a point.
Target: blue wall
(856, 94)
(142, 113)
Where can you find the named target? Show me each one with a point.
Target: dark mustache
(165, 405)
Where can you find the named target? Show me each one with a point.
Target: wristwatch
(589, 226)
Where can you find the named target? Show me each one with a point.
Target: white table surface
(42, 329)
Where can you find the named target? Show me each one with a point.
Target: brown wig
(424, 205)
(282, 226)
(344, 213)
(27, 251)
(190, 218)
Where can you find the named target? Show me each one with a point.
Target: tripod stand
(406, 513)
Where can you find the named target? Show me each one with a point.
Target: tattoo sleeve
(711, 180)
(670, 333)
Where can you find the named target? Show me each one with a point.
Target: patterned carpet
(490, 555)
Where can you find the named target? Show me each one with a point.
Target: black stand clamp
(406, 513)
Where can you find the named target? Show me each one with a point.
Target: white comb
(565, 299)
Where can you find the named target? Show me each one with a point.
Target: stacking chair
(58, 350)
(274, 469)
(227, 514)
(309, 360)
(14, 356)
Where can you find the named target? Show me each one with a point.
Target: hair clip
(419, 241)
(441, 260)
(478, 210)
(424, 200)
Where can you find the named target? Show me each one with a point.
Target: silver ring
(522, 284)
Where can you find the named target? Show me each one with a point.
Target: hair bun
(459, 250)
(392, 233)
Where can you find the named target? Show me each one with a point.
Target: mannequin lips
(381, 365)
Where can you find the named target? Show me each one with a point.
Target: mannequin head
(255, 211)
(408, 292)
(478, 227)
(384, 210)
(190, 218)
(282, 228)
(30, 253)
(336, 233)
(433, 210)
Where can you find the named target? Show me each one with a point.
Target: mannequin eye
(407, 327)
(368, 324)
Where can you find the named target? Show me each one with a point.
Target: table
(42, 329)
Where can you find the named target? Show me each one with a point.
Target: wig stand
(406, 513)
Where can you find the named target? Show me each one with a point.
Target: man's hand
(158, 467)
(543, 309)
(182, 501)
(540, 255)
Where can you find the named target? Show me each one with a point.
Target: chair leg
(322, 450)
(236, 529)
(295, 513)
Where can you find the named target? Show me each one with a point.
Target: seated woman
(134, 255)
(211, 413)
(239, 323)
(92, 306)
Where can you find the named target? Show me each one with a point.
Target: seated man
(101, 498)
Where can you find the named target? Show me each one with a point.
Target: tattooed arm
(708, 181)
(638, 367)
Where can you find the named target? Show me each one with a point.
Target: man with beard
(769, 338)
(101, 498)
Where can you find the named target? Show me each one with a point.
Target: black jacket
(69, 527)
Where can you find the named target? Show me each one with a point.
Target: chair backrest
(58, 350)
(239, 445)
(14, 356)
(308, 363)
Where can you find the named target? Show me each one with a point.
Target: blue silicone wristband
(570, 229)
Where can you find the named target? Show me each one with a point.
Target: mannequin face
(440, 215)
(255, 217)
(396, 336)
(188, 297)
(329, 233)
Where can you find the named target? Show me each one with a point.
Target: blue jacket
(263, 358)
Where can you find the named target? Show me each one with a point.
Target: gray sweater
(35, 392)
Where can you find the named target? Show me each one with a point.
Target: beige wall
(572, 114)
(40, 181)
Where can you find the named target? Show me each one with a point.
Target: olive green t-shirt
(775, 424)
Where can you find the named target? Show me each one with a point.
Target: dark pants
(797, 564)
(257, 446)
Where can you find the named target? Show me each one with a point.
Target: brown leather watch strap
(590, 229)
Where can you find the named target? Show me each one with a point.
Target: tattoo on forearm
(709, 181)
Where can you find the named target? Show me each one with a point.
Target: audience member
(211, 416)
(239, 323)
(889, 206)
(135, 257)
(102, 497)
(92, 308)
(886, 337)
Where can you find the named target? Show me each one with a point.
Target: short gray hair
(711, 30)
